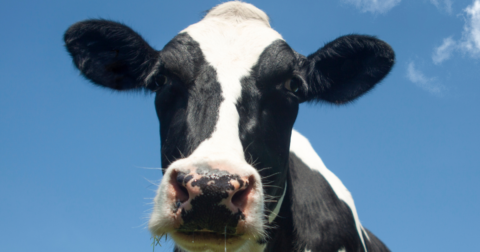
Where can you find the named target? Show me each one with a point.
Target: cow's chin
(207, 241)
(246, 239)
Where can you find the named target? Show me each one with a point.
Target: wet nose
(229, 190)
(213, 202)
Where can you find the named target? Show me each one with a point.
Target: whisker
(148, 168)
(169, 161)
(265, 168)
(271, 175)
(181, 154)
(268, 182)
(273, 186)
(246, 148)
(255, 162)
(151, 182)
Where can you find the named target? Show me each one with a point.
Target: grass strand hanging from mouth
(156, 241)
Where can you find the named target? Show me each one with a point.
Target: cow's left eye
(161, 80)
(292, 85)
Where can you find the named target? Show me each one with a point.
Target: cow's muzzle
(210, 205)
(210, 200)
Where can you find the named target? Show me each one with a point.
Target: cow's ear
(346, 68)
(111, 54)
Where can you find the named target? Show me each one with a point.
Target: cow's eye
(161, 80)
(292, 85)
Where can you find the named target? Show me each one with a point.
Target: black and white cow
(236, 176)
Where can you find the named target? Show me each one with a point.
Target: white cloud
(444, 51)
(471, 32)
(374, 6)
(429, 84)
(470, 41)
(443, 5)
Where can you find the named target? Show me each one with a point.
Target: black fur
(188, 105)
(323, 222)
(374, 244)
(110, 54)
(281, 236)
(267, 113)
(314, 218)
(346, 68)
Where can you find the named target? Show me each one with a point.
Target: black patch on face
(267, 114)
(188, 105)
(207, 213)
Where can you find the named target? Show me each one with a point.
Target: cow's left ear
(346, 68)
(111, 54)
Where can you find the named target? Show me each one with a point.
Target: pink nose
(213, 201)
(231, 189)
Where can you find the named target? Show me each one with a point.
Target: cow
(236, 176)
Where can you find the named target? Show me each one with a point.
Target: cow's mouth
(201, 240)
(208, 234)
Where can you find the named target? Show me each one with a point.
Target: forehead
(226, 45)
(232, 37)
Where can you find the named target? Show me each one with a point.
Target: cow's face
(227, 95)
(226, 109)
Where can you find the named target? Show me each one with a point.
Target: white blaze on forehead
(232, 36)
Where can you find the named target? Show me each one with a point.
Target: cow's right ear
(111, 54)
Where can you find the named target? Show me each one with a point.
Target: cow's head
(227, 90)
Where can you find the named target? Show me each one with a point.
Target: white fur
(304, 151)
(366, 234)
(239, 12)
(232, 46)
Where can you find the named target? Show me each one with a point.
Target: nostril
(181, 193)
(240, 198)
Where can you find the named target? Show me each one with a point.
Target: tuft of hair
(239, 11)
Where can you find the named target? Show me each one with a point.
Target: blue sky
(74, 157)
